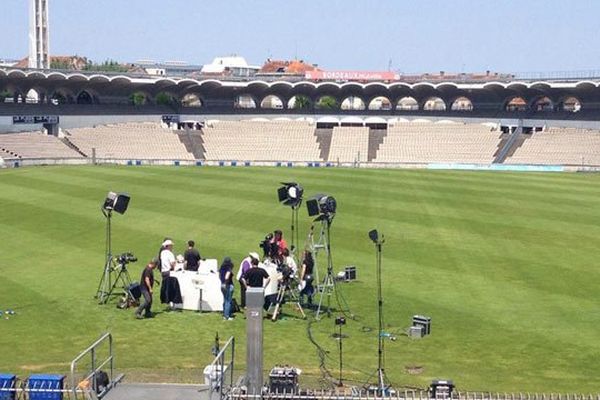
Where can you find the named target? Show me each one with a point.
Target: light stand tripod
(108, 283)
(382, 387)
(294, 227)
(328, 285)
(105, 285)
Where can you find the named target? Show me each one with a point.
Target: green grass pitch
(506, 264)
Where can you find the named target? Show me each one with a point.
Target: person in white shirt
(167, 258)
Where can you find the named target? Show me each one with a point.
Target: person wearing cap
(226, 277)
(167, 258)
(245, 265)
(146, 284)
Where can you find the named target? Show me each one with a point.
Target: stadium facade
(553, 99)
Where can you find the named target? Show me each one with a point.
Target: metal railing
(391, 394)
(95, 366)
(220, 371)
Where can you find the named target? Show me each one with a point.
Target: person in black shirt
(192, 257)
(146, 284)
(226, 277)
(306, 277)
(255, 276)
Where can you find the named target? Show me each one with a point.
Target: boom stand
(382, 385)
(328, 285)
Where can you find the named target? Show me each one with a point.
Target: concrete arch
(434, 103)
(272, 102)
(299, 102)
(380, 103)
(327, 102)
(353, 103)
(461, 103)
(245, 101)
(541, 104)
(84, 97)
(33, 97)
(62, 95)
(407, 103)
(191, 100)
(515, 104)
(569, 104)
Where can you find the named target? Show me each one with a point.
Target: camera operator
(279, 242)
(146, 284)
(290, 262)
(245, 265)
(306, 277)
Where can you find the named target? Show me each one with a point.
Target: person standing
(146, 284)
(167, 258)
(192, 257)
(306, 277)
(245, 265)
(257, 277)
(226, 277)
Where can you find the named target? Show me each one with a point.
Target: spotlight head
(290, 194)
(374, 235)
(323, 206)
(116, 202)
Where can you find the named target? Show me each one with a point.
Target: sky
(513, 36)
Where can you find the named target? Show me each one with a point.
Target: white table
(206, 279)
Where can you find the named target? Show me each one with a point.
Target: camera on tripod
(340, 321)
(126, 258)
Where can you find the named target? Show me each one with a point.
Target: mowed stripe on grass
(505, 264)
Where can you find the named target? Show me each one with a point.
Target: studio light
(374, 235)
(290, 194)
(323, 206)
(116, 202)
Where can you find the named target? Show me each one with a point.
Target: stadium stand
(145, 140)
(349, 144)
(34, 145)
(559, 146)
(429, 142)
(260, 141)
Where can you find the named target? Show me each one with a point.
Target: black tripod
(383, 386)
(328, 286)
(286, 288)
(108, 282)
(294, 227)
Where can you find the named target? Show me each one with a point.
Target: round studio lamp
(290, 194)
(327, 205)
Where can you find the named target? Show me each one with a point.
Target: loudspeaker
(312, 206)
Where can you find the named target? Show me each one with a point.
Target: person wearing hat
(245, 265)
(226, 277)
(167, 258)
(146, 284)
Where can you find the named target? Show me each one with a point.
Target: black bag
(102, 381)
(235, 308)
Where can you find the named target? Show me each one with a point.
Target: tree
(4, 95)
(138, 99)
(327, 103)
(301, 102)
(165, 99)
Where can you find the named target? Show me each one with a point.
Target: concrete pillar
(255, 298)
(39, 34)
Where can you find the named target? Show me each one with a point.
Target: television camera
(126, 258)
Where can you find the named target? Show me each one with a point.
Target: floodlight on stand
(290, 194)
(374, 235)
(116, 202)
(322, 206)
